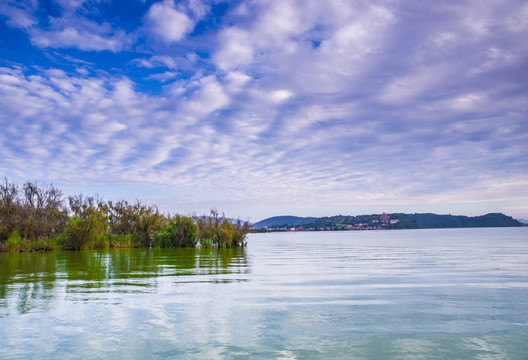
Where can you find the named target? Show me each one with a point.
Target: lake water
(408, 294)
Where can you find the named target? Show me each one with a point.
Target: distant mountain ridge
(392, 221)
(286, 220)
(428, 221)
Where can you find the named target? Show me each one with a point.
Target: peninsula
(383, 222)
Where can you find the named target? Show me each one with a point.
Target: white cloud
(208, 98)
(88, 37)
(299, 104)
(420, 83)
(71, 5)
(70, 30)
(167, 22)
(198, 7)
(518, 21)
(157, 61)
(163, 77)
(468, 102)
(235, 81)
(237, 49)
(79, 119)
(19, 14)
(281, 95)
(279, 43)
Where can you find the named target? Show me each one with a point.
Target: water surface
(410, 294)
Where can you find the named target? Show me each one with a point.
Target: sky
(260, 108)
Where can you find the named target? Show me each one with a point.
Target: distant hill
(284, 220)
(425, 221)
(398, 221)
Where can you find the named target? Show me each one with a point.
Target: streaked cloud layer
(263, 108)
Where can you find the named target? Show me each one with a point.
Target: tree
(136, 221)
(180, 231)
(88, 232)
(216, 230)
(37, 212)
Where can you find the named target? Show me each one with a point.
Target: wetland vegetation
(36, 217)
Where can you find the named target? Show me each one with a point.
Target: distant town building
(394, 221)
(384, 218)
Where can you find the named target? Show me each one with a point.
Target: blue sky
(262, 108)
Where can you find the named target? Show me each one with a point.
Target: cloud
(78, 123)
(237, 49)
(209, 97)
(19, 13)
(419, 83)
(167, 22)
(157, 61)
(84, 35)
(72, 29)
(163, 77)
(281, 105)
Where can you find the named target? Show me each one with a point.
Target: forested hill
(284, 221)
(388, 221)
(425, 221)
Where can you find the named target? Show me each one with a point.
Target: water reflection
(438, 294)
(26, 280)
(32, 281)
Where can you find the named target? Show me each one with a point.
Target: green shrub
(34, 217)
(88, 232)
(147, 223)
(41, 244)
(206, 243)
(178, 232)
(14, 242)
(241, 230)
(50, 244)
(60, 239)
(226, 233)
(218, 231)
(119, 241)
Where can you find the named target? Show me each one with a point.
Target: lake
(401, 294)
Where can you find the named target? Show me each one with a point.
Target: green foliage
(178, 232)
(14, 242)
(88, 232)
(60, 239)
(454, 221)
(226, 233)
(217, 230)
(146, 224)
(241, 230)
(119, 241)
(137, 221)
(35, 217)
(405, 222)
(206, 243)
(284, 221)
